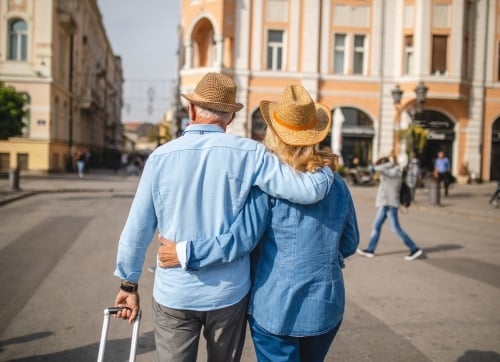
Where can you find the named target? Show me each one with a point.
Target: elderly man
(193, 187)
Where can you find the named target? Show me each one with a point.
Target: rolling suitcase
(104, 334)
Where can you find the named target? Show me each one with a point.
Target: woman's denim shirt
(297, 283)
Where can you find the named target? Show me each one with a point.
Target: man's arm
(280, 180)
(135, 238)
(242, 237)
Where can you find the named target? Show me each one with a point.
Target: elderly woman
(297, 295)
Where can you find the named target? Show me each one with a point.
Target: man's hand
(167, 253)
(129, 300)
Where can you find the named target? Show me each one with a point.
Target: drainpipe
(70, 88)
(483, 85)
(382, 76)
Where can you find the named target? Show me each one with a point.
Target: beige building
(58, 54)
(351, 55)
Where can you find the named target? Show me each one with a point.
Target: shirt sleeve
(242, 237)
(390, 170)
(138, 231)
(283, 182)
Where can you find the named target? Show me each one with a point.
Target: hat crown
(296, 107)
(216, 87)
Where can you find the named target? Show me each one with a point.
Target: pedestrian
(442, 172)
(191, 187)
(124, 162)
(496, 195)
(413, 174)
(297, 296)
(387, 201)
(80, 163)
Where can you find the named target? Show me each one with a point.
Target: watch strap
(129, 287)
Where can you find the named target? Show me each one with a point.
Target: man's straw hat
(217, 92)
(295, 118)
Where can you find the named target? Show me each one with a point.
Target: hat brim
(306, 137)
(215, 106)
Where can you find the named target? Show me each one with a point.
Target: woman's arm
(242, 237)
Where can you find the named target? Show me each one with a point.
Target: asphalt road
(57, 254)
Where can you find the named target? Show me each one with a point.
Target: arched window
(203, 41)
(259, 126)
(356, 136)
(18, 40)
(495, 151)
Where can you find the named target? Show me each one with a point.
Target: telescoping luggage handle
(104, 334)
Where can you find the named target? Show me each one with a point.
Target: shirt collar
(202, 128)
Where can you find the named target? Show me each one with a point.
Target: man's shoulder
(229, 141)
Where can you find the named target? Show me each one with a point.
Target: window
(22, 161)
(275, 49)
(439, 51)
(18, 40)
(259, 126)
(408, 62)
(339, 54)
(4, 162)
(359, 54)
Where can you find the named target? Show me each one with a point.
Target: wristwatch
(128, 286)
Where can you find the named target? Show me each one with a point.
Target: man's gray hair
(213, 115)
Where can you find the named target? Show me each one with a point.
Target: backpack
(405, 194)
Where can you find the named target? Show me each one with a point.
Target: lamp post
(397, 95)
(421, 94)
(420, 97)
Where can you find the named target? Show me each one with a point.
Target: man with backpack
(388, 202)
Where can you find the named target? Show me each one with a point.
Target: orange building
(351, 55)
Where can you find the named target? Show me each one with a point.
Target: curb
(18, 195)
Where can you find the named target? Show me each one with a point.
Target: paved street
(58, 245)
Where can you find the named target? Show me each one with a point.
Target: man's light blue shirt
(442, 164)
(192, 188)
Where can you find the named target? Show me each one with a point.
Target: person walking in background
(297, 296)
(496, 195)
(413, 174)
(80, 163)
(442, 172)
(124, 162)
(387, 201)
(191, 187)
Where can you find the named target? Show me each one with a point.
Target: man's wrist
(129, 287)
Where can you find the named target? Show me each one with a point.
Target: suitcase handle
(114, 310)
(104, 334)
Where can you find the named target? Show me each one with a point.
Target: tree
(12, 112)
(415, 138)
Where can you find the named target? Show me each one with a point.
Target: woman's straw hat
(217, 92)
(295, 118)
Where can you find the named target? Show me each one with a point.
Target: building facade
(57, 53)
(352, 55)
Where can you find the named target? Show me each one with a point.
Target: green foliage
(415, 136)
(341, 170)
(11, 112)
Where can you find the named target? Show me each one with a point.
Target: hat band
(301, 127)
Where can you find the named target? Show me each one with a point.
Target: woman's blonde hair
(301, 158)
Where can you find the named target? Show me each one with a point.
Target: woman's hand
(167, 253)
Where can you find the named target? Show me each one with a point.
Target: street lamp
(397, 94)
(421, 93)
(410, 116)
